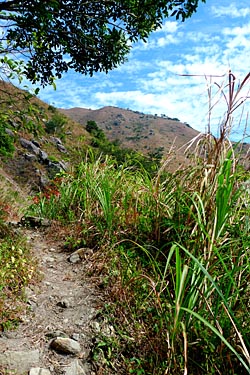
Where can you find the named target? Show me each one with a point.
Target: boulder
(30, 157)
(56, 141)
(29, 146)
(36, 143)
(43, 157)
(9, 132)
(20, 361)
(65, 345)
(61, 148)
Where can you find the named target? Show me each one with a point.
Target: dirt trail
(63, 303)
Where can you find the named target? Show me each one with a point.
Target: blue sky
(214, 40)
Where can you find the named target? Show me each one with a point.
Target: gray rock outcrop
(21, 361)
(29, 146)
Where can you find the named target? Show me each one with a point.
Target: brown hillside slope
(139, 131)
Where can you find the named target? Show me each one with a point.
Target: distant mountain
(141, 132)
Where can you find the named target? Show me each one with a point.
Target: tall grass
(180, 246)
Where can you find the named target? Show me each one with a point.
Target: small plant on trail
(17, 270)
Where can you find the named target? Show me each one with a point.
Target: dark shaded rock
(43, 157)
(57, 167)
(33, 221)
(29, 146)
(56, 141)
(43, 181)
(36, 143)
(61, 148)
(30, 157)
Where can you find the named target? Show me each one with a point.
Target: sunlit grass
(177, 252)
(181, 245)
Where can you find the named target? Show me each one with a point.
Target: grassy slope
(142, 132)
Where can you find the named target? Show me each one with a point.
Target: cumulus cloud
(169, 27)
(231, 10)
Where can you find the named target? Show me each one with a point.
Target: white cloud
(159, 42)
(230, 10)
(168, 27)
(164, 41)
(164, 36)
(243, 30)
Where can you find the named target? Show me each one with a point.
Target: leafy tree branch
(87, 36)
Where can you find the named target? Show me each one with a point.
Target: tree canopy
(87, 36)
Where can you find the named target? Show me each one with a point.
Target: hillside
(24, 124)
(136, 130)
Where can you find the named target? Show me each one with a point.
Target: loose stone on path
(65, 345)
(39, 371)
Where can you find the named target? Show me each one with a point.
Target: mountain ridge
(136, 130)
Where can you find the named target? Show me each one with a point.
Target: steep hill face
(43, 140)
(136, 130)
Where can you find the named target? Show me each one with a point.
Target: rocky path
(55, 336)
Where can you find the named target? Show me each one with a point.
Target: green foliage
(12, 69)
(120, 155)
(99, 43)
(56, 124)
(157, 154)
(91, 127)
(6, 142)
(18, 111)
(96, 132)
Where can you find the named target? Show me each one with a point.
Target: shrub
(6, 143)
(56, 124)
